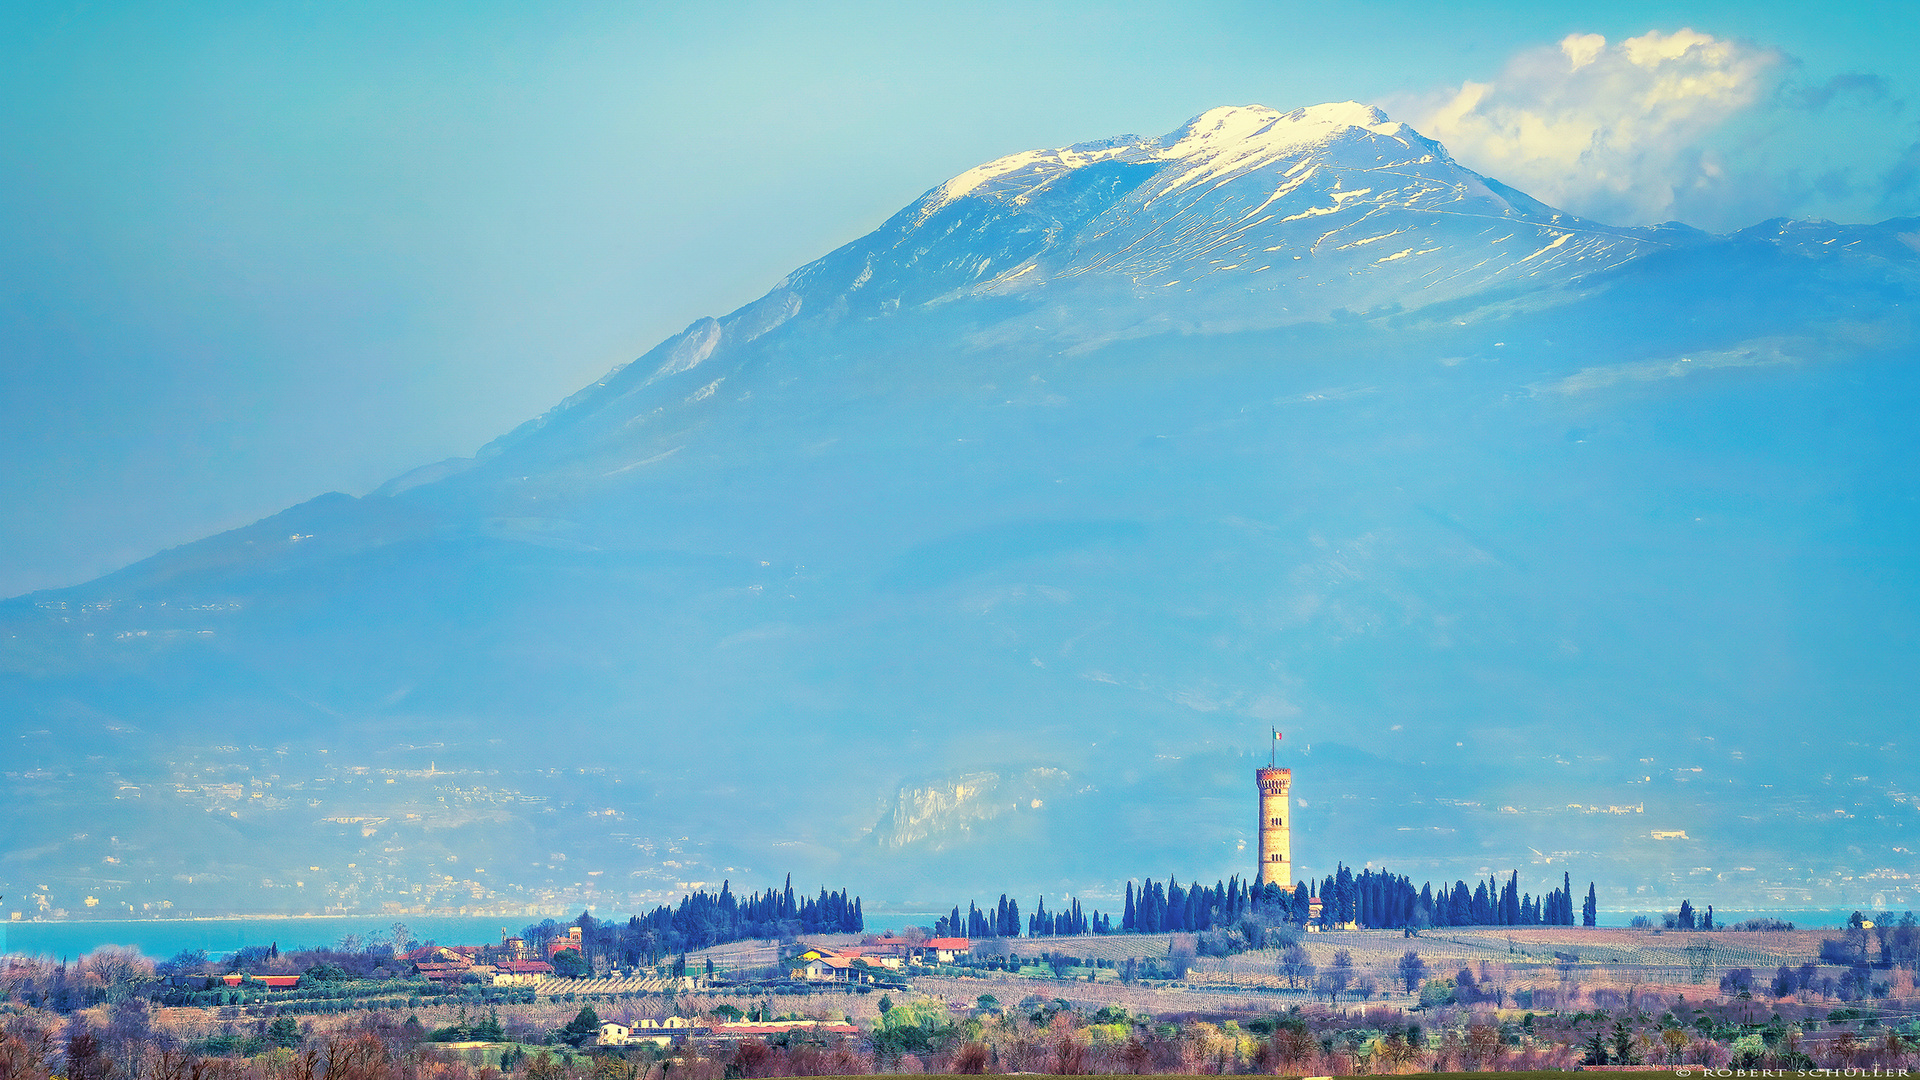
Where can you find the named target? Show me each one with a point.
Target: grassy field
(1547, 966)
(1550, 959)
(1521, 944)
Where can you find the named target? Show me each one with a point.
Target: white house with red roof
(944, 950)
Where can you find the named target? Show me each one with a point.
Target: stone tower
(1276, 841)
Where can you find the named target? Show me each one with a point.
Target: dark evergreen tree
(1371, 898)
(704, 919)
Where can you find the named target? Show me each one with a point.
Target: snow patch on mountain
(694, 347)
(1244, 218)
(1216, 145)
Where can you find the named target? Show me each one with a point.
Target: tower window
(1274, 821)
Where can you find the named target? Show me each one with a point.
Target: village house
(612, 1034)
(661, 1031)
(569, 940)
(851, 964)
(826, 969)
(272, 982)
(521, 972)
(857, 963)
(886, 945)
(447, 964)
(454, 974)
(664, 1031)
(873, 957)
(944, 950)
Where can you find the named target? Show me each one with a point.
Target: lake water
(162, 938)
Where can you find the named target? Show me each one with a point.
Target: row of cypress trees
(703, 919)
(1371, 898)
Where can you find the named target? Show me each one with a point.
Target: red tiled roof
(950, 944)
(442, 971)
(524, 967)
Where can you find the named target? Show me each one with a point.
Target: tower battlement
(1276, 826)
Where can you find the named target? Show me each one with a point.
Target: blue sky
(255, 252)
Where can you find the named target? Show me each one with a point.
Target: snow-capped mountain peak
(1329, 207)
(1248, 131)
(1216, 144)
(1242, 218)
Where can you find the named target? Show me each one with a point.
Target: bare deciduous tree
(1295, 965)
(118, 970)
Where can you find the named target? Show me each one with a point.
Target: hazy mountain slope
(984, 550)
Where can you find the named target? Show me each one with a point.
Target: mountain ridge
(827, 288)
(1047, 474)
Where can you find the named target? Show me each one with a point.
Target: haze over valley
(983, 553)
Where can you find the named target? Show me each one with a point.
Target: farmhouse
(944, 950)
(612, 1034)
(829, 969)
(520, 972)
(447, 974)
(873, 957)
(273, 982)
(661, 1031)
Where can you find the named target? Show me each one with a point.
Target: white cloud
(1617, 132)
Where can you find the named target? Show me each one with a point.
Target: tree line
(1371, 898)
(703, 919)
(1385, 899)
